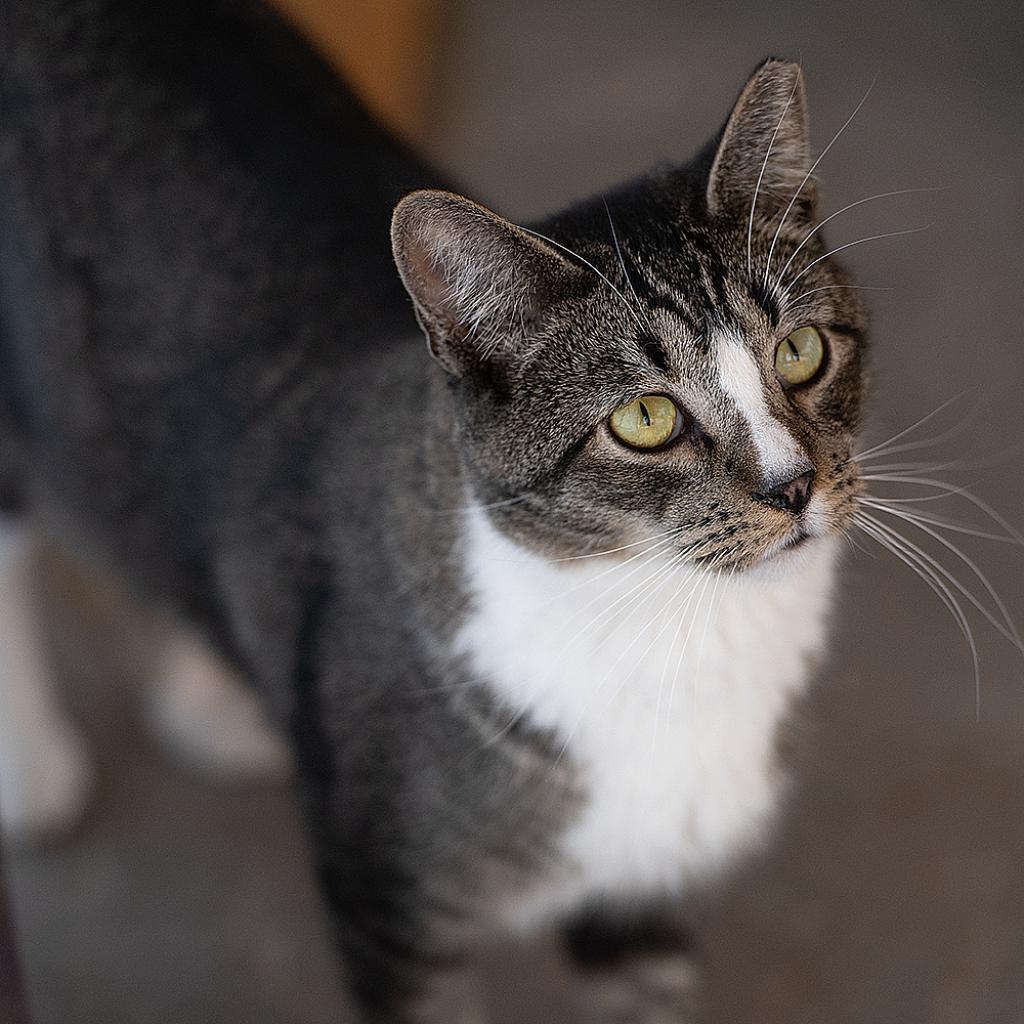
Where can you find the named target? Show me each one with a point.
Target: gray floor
(895, 889)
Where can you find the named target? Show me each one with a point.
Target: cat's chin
(798, 553)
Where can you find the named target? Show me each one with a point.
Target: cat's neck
(661, 687)
(760, 629)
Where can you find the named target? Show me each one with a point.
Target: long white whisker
(493, 504)
(917, 467)
(906, 430)
(587, 263)
(807, 177)
(944, 524)
(928, 442)
(683, 612)
(629, 599)
(621, 547)
(784, 297)
(892, 542)
(649, 556)
(1007, 628)
(622, 264)
(821, 223)
(700, 648)
(984, 506)
(622, 654)
(760, 177)
(793, 303)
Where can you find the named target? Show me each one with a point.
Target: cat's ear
(764, 149)
(479, 283)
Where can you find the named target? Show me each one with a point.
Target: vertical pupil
(793, 349)
(646, 415)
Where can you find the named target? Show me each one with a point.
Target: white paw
(46, 786)
(207, 719)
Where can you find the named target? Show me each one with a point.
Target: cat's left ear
(479, 283)
(765, 149)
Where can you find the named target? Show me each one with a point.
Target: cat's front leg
(633, 969)
(401, 962)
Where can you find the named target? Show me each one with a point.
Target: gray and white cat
(531, 611)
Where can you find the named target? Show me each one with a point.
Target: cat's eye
(799, 356)
(649, 422)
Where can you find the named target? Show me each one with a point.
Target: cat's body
(211, 380)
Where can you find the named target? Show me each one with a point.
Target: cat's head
(678, 359)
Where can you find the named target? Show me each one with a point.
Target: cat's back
(194, 218)
(198, 175)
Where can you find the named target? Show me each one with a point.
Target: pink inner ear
(426, 268)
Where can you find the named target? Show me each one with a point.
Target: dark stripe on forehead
(714, 275)
(765, 297)
(654, 352)
(688, 308)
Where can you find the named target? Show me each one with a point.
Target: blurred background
(894, 891)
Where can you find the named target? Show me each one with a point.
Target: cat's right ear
(479, 284)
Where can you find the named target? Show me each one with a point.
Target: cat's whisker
(784, 296)
(649, 556)
(942, 523)
(461, 510)
(725, 589)
(760, 177)
(883, 536)
(608, 674)
(919, 467)
(821, 223)
(658, 546)
(675, 563)
(951, 490)
(792, 305)
(699, 583)
(622, 547)
(629, 600)
(913, 446)
(622, 264)
(807, 177)
(676, 614)
(700, 649)
(664, 670)
(850, 539)
(1007, 628)
(860, 456)
(575, 255)
(952, 493)
(655, 552)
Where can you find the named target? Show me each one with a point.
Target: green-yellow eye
(798, 358)
(649, 422)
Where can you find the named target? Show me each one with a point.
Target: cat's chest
(664, 692)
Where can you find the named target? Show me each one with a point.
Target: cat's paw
(203, 714)
(46, 786)
(647, 990)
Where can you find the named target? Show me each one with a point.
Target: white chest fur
(666, 690)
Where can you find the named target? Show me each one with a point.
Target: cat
(531, 600)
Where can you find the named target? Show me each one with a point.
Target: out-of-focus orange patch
(385, 49)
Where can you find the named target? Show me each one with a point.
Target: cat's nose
(791, 495)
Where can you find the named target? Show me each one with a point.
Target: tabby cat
(531, 600)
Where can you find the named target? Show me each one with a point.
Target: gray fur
(211, 380)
